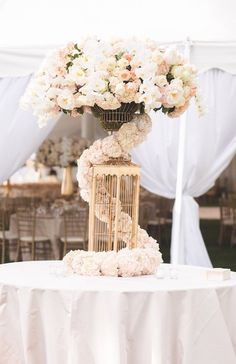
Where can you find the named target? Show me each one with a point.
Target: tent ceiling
(43, 22)
(30, 28)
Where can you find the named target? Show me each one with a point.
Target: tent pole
(175, 239)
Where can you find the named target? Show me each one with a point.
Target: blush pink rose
(125, 75)
(130, 87)
(179, 110)
(133, 74)
(163, 68)
(193, 91)
(128, 56)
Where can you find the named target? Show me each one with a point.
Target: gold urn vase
(67, 187)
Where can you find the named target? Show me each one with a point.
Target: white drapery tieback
(191, 248)
(210, 144)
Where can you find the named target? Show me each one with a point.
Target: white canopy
(40, 23)
(30, 28)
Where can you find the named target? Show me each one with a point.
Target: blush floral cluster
(60, 152)
(108, 74)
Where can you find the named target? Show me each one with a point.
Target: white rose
(175, 97)
(177, 71)
(99, 85)
(161, 81)
(149, 89)
(157, 56)
(172, 56)
(147, 71)
(120, 88)
(108, 64)
(107, 101)
(177, 82)
(122, 63)
(82, 100)
(66, 100)
(53, 92)
(77, 75)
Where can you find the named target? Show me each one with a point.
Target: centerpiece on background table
(61, 152)
(120, 82)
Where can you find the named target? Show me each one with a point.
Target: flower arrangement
(125, 263)
(60, 152)
(110, 74)
(124, 76)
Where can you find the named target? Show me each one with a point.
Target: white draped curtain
(210, 146)
(20, 135)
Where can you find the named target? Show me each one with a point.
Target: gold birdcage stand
(114, 204)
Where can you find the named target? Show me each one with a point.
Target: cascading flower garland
(127, 262)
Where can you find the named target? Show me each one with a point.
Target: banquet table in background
(179, 317)
(209, 213)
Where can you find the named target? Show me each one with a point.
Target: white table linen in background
(47, 317)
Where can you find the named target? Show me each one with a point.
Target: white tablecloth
(209, 213)
(47, 317)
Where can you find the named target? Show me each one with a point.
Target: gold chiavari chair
(74, 229)
(233, 234)
(13, 203)
(4, 232)
(226, 218)
(6, 236)
(27, 237)
(155, 214)
(23, 202)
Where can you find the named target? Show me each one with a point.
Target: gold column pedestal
(67, 187)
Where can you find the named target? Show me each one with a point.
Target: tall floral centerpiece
(120, 82)
(61, 152)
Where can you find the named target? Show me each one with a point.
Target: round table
(176, 317)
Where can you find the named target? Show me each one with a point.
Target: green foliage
(78, 49)
(167, 110)
(80, 110)
(169, 77)
(68, 65)
(119, 55)
(142, 108)
(157, 108)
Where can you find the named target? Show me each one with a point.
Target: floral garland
(127, 262)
